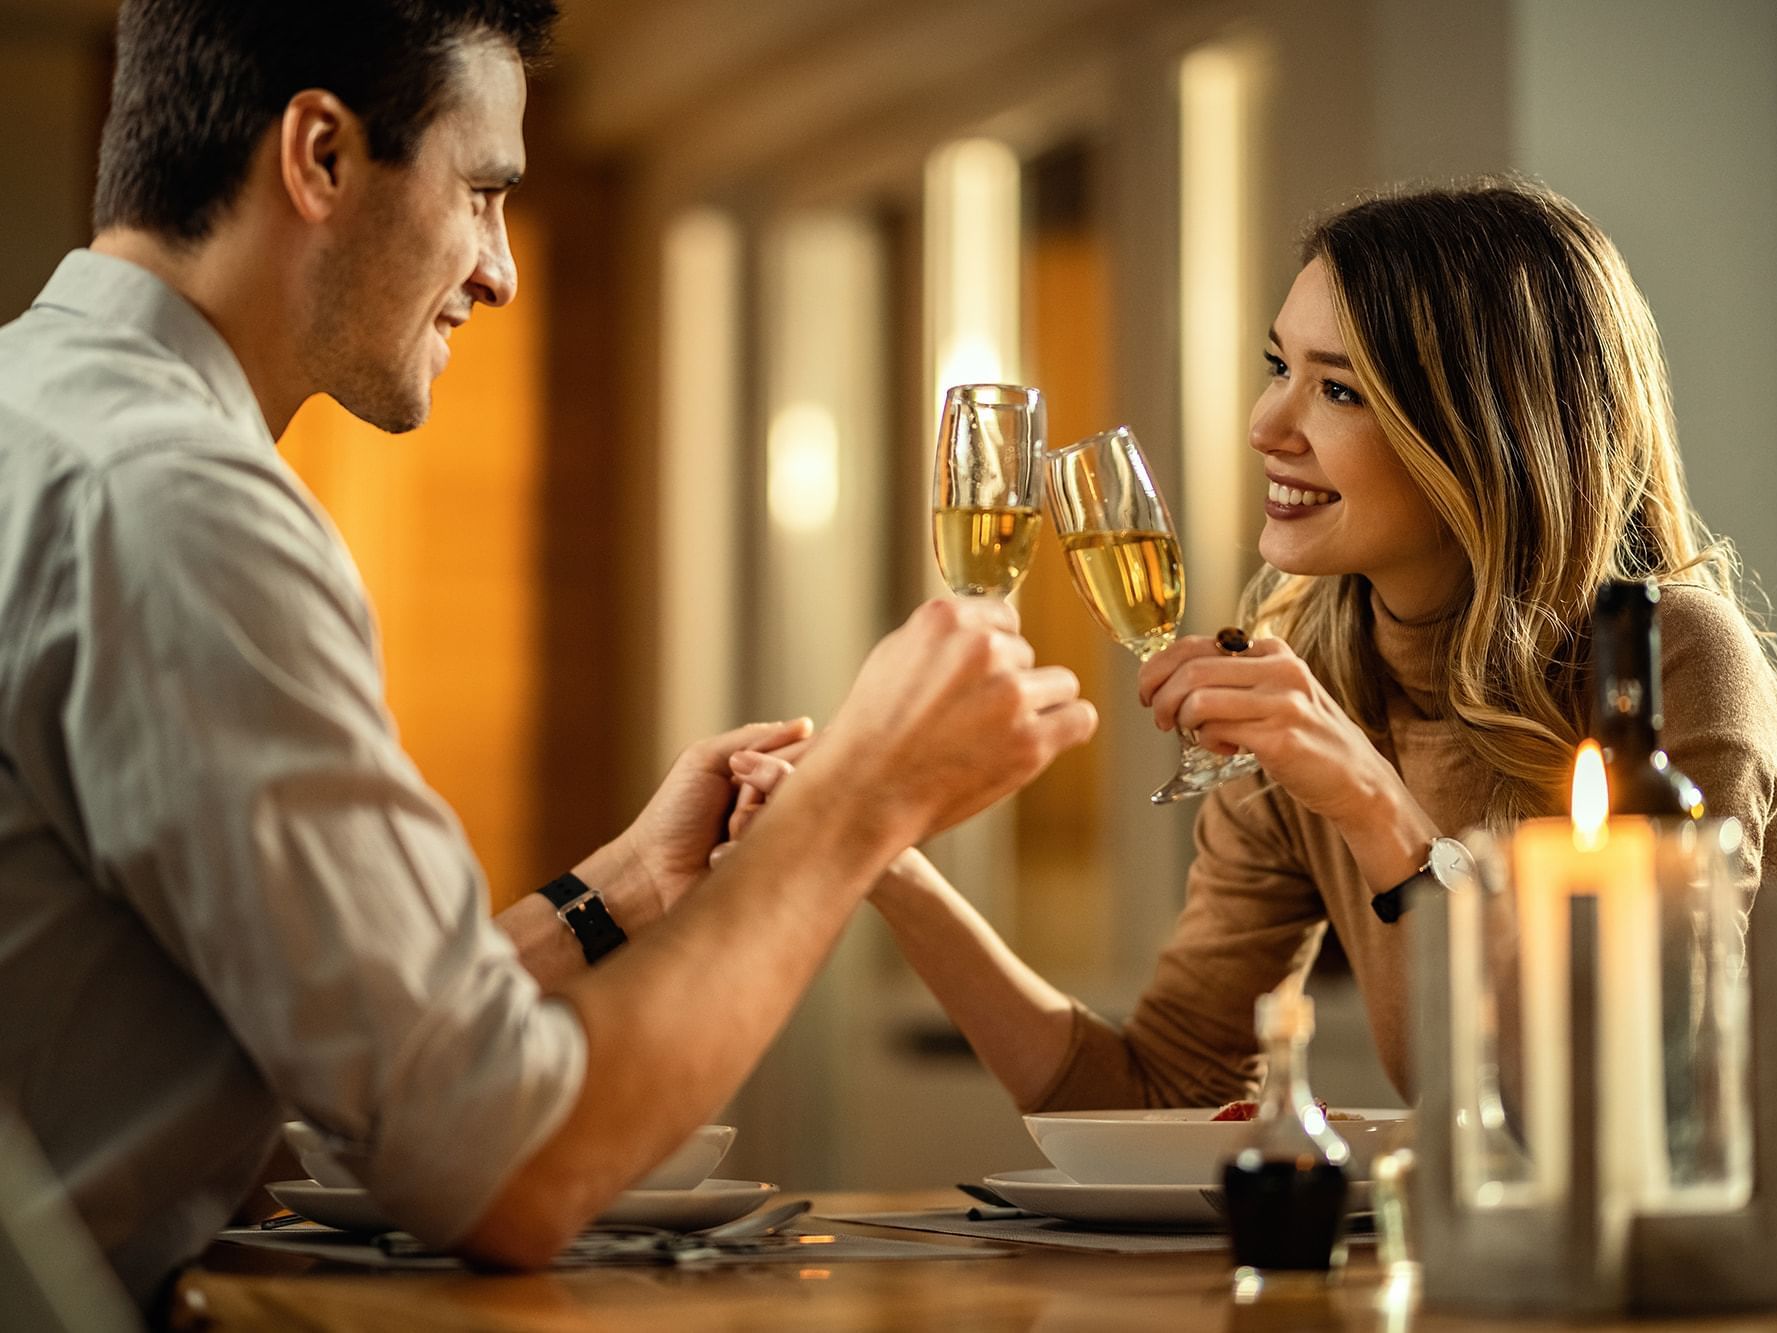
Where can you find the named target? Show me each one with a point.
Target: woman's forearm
(1019, 1025)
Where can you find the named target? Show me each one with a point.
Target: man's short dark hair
(200, 81)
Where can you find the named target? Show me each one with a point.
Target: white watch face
(1451, 864)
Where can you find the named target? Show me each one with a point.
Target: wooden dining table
(1035, 1289)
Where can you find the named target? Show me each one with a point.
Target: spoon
(766, 1223)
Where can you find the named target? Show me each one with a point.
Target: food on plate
(1249, 1110)
(1245, 1110)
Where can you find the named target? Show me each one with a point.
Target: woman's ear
(318, 140)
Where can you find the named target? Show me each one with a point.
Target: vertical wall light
(701, 360)
(972, 266)
(1215, 86)
(973, 281)
(825, 310)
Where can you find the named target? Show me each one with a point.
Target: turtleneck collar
(1411, 650)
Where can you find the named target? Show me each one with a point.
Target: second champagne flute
(987, 487)
(1125, 562)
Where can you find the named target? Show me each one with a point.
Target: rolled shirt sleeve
(243, 791)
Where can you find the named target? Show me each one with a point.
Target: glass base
(1252, 1285)
(1201, 770)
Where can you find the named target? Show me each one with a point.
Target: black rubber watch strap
(563, 889)
(584, 912)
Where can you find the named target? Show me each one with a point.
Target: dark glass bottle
(1286, 1190)
(1626, 716)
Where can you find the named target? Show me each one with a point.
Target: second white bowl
(1177, 1146)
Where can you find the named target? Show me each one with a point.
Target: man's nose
(495, 280)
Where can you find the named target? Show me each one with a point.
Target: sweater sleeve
(1252, 917)
(1720, 702)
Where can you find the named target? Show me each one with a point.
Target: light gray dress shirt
(225, 891)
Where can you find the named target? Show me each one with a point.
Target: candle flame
(1591, 797)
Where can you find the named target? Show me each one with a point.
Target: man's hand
(948, 715)
(667, 849)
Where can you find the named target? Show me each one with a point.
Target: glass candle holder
(1672, 1058)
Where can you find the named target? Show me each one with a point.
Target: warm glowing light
(1215, 90)
(973, 223)
(699, 603)
(803, 446)
(1591, 797)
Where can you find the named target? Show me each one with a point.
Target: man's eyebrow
(1336, 359)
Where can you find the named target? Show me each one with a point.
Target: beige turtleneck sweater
(1268, 875)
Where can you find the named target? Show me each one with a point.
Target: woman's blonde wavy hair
(1514, 367)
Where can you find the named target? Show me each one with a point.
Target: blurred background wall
(684, 481)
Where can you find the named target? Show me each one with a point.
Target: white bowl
(310, 1147)
(1181, 1146)
(692, 1162)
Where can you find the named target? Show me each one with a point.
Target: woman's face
(1340, 500)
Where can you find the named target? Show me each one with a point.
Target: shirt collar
(115, 291)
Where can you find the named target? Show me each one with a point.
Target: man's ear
(318, 140)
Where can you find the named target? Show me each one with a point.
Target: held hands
(1267, 701)
(667, 849)
(947, 715)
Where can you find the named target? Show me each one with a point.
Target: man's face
(423, 245)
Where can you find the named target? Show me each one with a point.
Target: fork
(998, 1208)
(980, 1193)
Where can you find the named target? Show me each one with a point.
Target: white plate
(710, 1204)
(1142, 1207)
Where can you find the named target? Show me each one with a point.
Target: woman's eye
(1341, 393)
(1275, 368)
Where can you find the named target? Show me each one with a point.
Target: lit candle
(1613, 861)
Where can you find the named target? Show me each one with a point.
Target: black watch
(1448, 865)
(583, 911)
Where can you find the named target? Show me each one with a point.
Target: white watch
(1448, 865)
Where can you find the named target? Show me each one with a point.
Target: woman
(1466, 431)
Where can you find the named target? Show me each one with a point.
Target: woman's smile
(1287, 498)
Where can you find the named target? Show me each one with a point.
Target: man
(224, 889)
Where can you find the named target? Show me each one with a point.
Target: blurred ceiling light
(973, 215)
(803, 451)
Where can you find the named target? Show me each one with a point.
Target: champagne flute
(987, 488)
(1125, 562)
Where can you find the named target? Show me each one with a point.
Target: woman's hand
(1267, 701)
(757, 773)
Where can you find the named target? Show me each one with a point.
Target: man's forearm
(546, 947)
(676, 1020)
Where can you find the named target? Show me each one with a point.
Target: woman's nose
(1274, 427)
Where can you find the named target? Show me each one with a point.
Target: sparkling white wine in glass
(1133, 582)
(1124, 560)
(987, 487)
(985, 550)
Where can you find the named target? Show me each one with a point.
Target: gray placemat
(402, 1253)
(1045, 1231)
